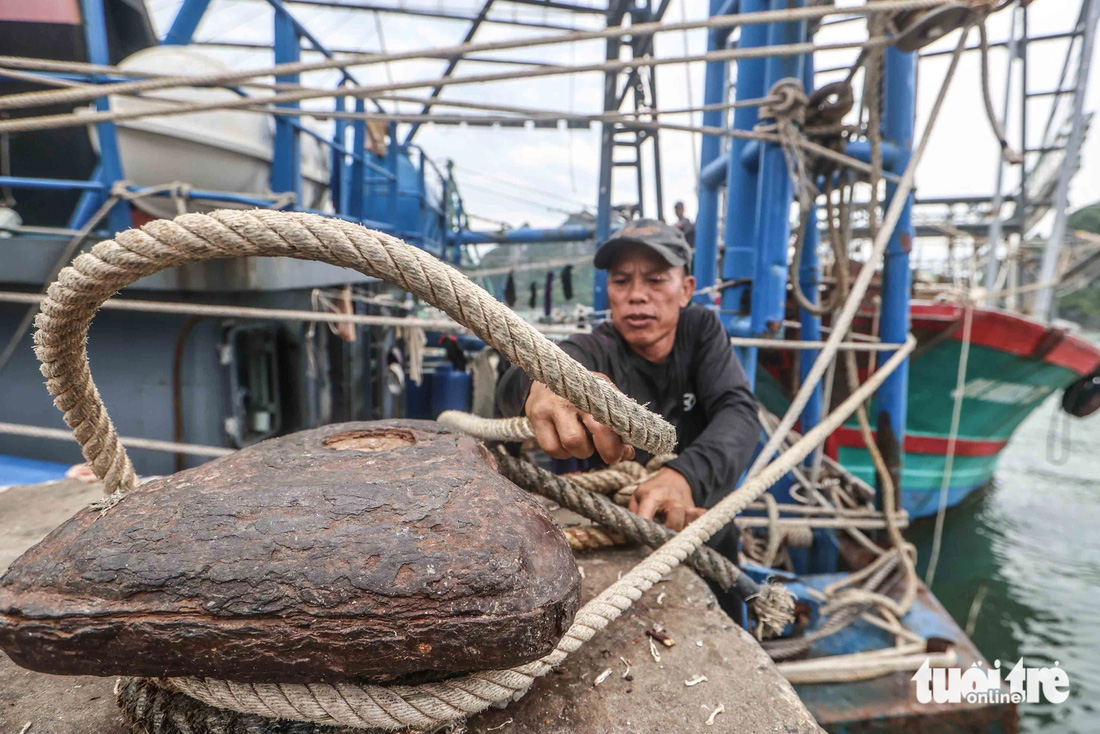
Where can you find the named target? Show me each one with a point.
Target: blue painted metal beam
(24, 182)
(524, 234)
(774, 193)
(713, 174)
(809, 278)
(715, 81)
(900, 86)
(357, 169)
(739, 246)
(187, 19)
(110, 163)
(286, 166)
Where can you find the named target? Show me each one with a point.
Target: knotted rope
(771, 604)
(94, 277)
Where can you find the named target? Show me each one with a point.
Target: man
(664, 353)
(685, 225)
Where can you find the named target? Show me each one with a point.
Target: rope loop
(786, 100)
(113, 264)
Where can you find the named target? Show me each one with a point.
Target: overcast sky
(535, 176)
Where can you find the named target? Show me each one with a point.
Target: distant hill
(583, 273)
(1083, 306)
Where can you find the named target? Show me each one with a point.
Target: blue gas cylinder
(451, 390)
(418, 399)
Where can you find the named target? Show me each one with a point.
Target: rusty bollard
(364, 551)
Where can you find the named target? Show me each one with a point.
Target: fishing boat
(1014, 364)
(199, 361)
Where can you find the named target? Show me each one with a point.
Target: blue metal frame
(109, 169)
(186, 22)
(775, 191)
(759, 196)
(809, 278)
(898, 122)
(742, 185)
(286, 166)
(715, 78)
(368, 188)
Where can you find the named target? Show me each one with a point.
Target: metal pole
(110, 162)
(185, 23)
(898, 122)
(809, 278)
(615, 14)
(739, 256)
(706, 217)
(1044, 299)
(286, 165)
(1022, 204)
(358, 169)
(995, 227)
(774, 194)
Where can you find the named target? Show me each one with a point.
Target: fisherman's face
(679, 209)
(646, 295)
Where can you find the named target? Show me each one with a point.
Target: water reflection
(1032, 541)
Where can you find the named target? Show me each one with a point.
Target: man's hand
(563, 431)
(668, 494)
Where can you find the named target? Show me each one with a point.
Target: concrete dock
(653, 695)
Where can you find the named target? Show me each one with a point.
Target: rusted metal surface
(371, 551)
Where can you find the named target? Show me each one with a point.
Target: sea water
(1023, 561)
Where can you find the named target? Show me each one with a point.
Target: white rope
(277, 314)
(722, 21)
(952, 442)
(152, 444)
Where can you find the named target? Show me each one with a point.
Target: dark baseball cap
(666, 240)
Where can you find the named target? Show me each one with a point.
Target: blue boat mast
(756, 225)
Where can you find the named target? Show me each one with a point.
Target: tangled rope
(771, 605)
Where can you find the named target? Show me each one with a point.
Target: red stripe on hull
(66, 12)
(851, 438)
(1009, 333)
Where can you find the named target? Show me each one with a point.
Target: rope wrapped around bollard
(771, 604)
(113, 264)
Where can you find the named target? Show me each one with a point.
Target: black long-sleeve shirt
(701, 389)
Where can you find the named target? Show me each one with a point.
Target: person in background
(665, 353)
(685, 225)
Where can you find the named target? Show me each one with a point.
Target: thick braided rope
(611, 480)
(488, 429)
(602, 511)
(150, 709)
(583, 493)
(590, 537)
(434, 704)
(771, 605)
(112, 264)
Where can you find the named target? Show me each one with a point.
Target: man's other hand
(563, 431)
(667, 493)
